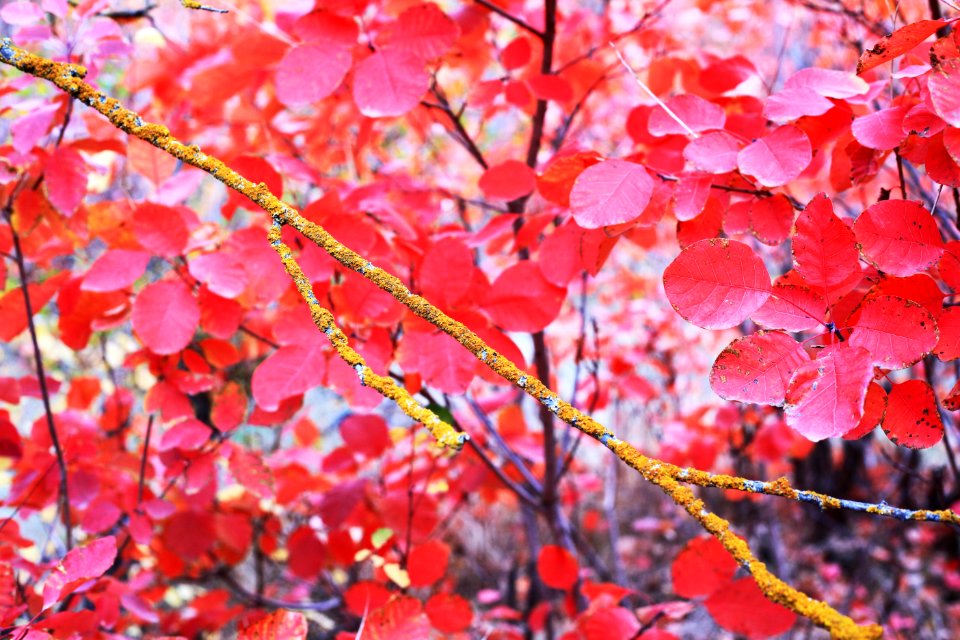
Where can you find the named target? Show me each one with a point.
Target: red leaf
(948, 346)
(714, 152)
(449, 613)
(717, 283)
(79, 565)
(516, 54)
(306, 553)
(612, 192)
(944, 87)
(248, 469)
(557, 180)
(824, 249)
(363, 597)
(160, 229)
(703, 227)
(508, 180)
(880, 130)
(446, 272)
(694, 111)
(389, 83)
(778, 157)
(310, 72)
(771, 219)
(439, 359)
(365, 434)
(289, 371)
(874, 407)
(743, 609)
(898, 43)
(66, 179)
(912, 418)
(115, 269)
(702, 567)
(828, 82)
(726, 74)
(896, 332)
(428, 563)
(229, 405)
(825, 397)
(13, 308)
(558, 568)
(521, 299)
(550, 87)
(899, 236)
(608, 622)
(222, 273)
(186, 435)
(165, 315)
(423, 30)
(793, 308)
(11, 444)
(401, 618)
(279, 625)
(757, 368)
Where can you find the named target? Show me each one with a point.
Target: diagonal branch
(665, 476)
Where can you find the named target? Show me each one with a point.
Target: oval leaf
(778, 157)
(899, 236)
(115, 269)
(896, 332)
(521, 299)
(824, 249)
(165, 315)
(558, 568)
(612, 192)
(912, 418)
(742, 608)
(898, 43)
(311, 72)
(702, 567)
(717, 283)
(508, 181)
(825, 397)
(389, 83)
(757, 368)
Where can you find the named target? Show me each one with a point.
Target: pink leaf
(21, 12)
(222, 273)
(508, 181)
(187, 435)
(899, 236)
(310, 72)
(611, 192)
(439, 359)
(790, 104)
(79, 565)
(880, 130)
(66, 179)
(165, 315)
(944, 86)
(948, 346)
(898, 43)
(690, 196)
(912, 418)
(717, 283)
(28, 129)
(824, 249)
(778, 157)
(757, 368)
(828, 82)
(287, 372)
(896, 332)
(115, 269)
(694, 111)
(521, 299)
(389, 83)
(714, 152)
(825, 397)
(279, 625)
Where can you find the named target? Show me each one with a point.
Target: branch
(512, 18)
(661, 474)
(64, 495)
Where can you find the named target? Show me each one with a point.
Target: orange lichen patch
(665, 476)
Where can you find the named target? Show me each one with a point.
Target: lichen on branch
(666, 477)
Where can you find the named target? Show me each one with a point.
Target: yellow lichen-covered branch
(665, 476)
